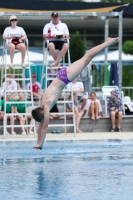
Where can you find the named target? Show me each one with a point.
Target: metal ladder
(48, 77)
(19, 75)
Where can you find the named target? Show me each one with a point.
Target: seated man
(51, 31)
(35, 88)
(78, 87)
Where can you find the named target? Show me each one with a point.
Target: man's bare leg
(61, 54)
(83, 102)
(77, 123)
(77, 119)
(52, 50)
(75, 69)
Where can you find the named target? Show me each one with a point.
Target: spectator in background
(35, 88)
(56, 29)
(54, 110)
(8, 110)
(78, 87)
(14, 35)
(93, 107)
(78, 114)
(128, 105)
(23, 108)
(115, 108)
(10, 85)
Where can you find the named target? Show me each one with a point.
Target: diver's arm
(46, 118)
(43, 126)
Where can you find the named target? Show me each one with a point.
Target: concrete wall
(86, 125)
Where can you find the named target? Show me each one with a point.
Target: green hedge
(77, 47)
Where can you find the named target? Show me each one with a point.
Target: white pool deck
(70, 136)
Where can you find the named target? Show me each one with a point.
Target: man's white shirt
(76, 86)
(12, 87)
(58, 29)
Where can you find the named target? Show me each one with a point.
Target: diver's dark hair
(37, 115)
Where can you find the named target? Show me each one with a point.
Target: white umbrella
(113, 56)
(33, 57)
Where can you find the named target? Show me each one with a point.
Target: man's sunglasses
(12, 20)
(33, 76)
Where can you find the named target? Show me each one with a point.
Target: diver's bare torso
(52, 93)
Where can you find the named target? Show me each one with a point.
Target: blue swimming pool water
(65, 170)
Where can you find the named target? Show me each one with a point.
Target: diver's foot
(110, 41)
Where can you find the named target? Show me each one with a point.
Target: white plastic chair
(106, 92)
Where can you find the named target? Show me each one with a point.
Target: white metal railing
(50, 77)
(127, 90)
(23, 79)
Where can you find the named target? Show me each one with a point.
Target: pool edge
(70, 136)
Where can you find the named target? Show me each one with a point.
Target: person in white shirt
(78, 87)
(56, 28)
(93, 107)
(14, 35)
(10, 85)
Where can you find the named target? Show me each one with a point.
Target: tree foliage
(127, 74)
(68, 0)
(77, 47)
(128, 47)
(117, 1)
